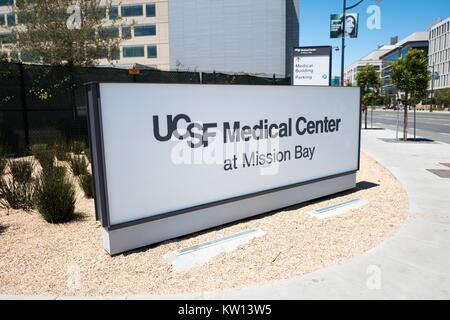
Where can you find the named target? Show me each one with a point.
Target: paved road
(434, 125)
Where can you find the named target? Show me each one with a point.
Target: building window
(11, 18)
(24, 16)
(29, 57)
(152, 52)
(132, 11)
(126, 32)
(102, 53)
(142, 31)
(2, 20)
(113, 13)
(115, 54)
(109, 32)
(150, 10)
(7, 38)
(133, 52)
(6, 2)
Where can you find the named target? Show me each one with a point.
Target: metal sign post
(398, 120)
(371, 114)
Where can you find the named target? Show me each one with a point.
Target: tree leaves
(45, 34)
(411, 75)
(369, 80)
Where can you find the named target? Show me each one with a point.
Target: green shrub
(45, 155)
(58, 170)
(21, 170)
(54, 196)
(78, 165)
(87, 185)
(3, 149)
(61, 152)
(78, 146)
(2, 165)
(38, 148)
(16, 195)
(87, 152)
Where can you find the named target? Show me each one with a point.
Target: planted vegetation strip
(86, 183)
(15, 194)
(78, 165)
(306, 245)
(21, 170)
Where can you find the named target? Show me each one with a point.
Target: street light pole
(432, 89)
(344, 11)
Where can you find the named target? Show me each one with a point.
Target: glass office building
(417, 40)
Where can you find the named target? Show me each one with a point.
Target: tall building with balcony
(439, 54)
(251, 36)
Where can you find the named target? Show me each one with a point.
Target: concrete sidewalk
(413, 264)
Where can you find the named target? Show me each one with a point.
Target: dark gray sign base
(140, 235)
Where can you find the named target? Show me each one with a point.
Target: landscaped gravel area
(38, 258)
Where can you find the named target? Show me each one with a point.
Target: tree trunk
(365, 119)
(405, 118)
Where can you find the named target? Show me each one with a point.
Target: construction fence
(42, 104)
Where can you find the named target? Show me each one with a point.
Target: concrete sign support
(312, 66)
(169, 160)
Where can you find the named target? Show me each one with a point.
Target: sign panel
(161, 150)
(312, 66)
(351, 25)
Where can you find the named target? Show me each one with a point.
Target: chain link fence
(47, 104)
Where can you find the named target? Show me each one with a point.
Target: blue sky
(398, 17)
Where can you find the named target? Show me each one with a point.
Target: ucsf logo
(181, 127)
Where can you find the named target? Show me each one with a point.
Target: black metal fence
(47, 104)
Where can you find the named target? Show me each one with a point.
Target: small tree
(442, 97)
(369, 80)
(411, 76)
(66, 31)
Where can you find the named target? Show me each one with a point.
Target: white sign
(174, 148)
(312, 66)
